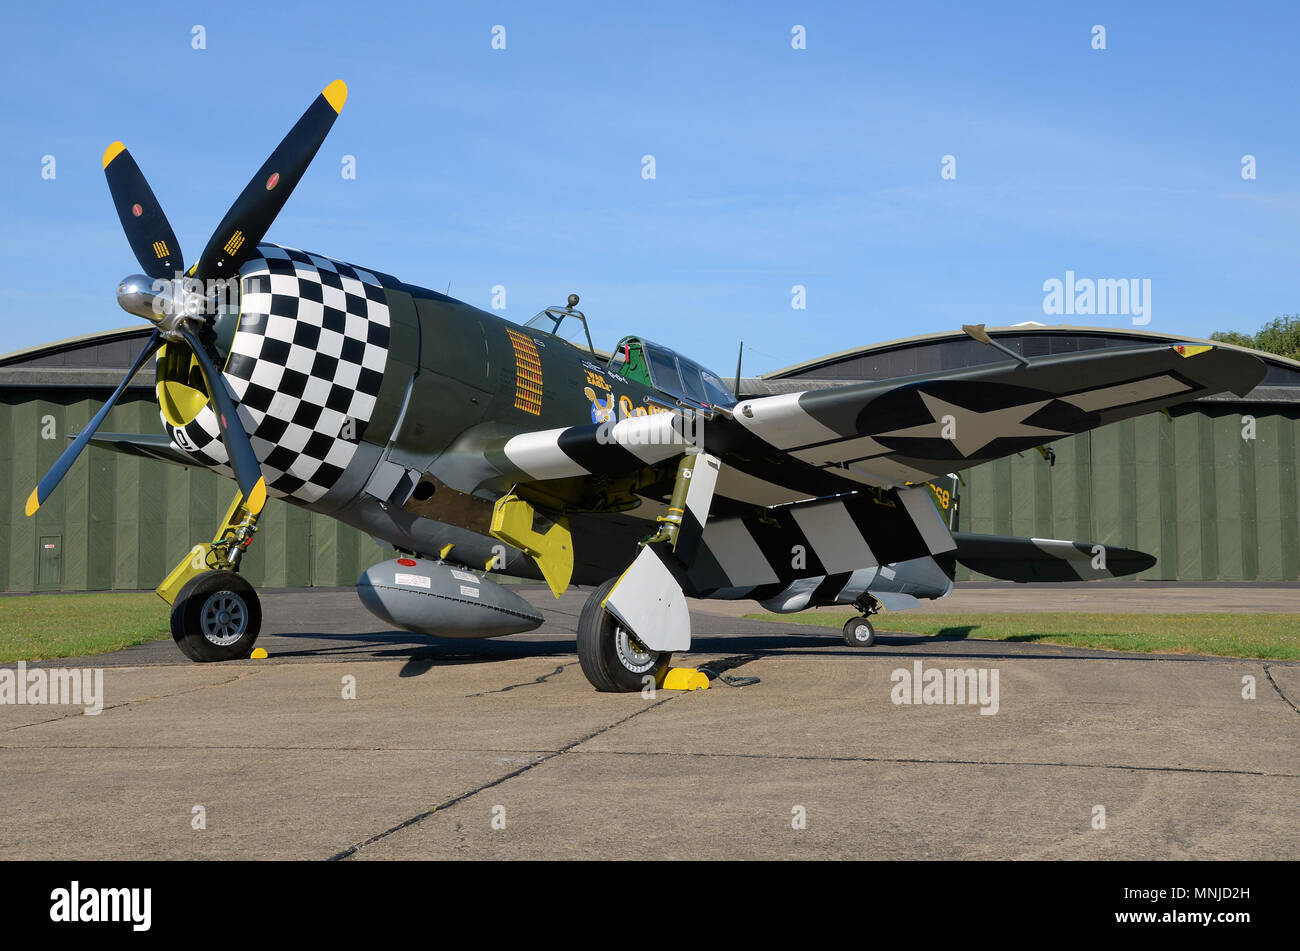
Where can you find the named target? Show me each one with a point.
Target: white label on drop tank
(414, 581)
(463, 576)
(468, 591)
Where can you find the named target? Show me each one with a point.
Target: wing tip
(336, 94)
(33, 502)
(112, 152)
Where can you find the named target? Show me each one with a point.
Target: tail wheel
(611, 656)
(859, 633)
(216, 616)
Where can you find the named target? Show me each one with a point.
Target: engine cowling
(430, 597)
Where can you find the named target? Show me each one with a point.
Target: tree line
(1281, 335)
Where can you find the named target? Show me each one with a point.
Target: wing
(800, 446)
(910, 430)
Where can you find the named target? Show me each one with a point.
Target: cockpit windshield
(565, 323)
(669, 372)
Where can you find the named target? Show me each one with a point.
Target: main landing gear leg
(216, 614)
(631, 624)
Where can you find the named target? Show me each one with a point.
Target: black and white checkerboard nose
(306, 364)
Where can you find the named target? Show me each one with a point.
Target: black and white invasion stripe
(826, 539)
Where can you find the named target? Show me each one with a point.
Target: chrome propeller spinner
(167, 303)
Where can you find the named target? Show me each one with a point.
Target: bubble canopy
(667, 371)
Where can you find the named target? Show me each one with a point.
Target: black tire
(613, 660)
(217, 616)
(858, 632)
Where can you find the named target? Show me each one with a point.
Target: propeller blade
(69, 456)
(147, 229)
(248, 219)
(248, 471)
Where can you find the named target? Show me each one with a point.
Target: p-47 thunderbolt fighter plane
(472, 444)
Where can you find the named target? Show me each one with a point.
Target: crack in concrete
(1285, 698)
(733, 661)
(528, 683)
(352, 850)
(920, 761)
(283, 749)
(126, 703)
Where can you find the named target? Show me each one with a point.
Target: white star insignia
(973, 430)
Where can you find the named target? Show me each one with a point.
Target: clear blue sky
(775, 167)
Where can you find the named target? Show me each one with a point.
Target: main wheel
(216, 616)
(859, 633)
(611, 656)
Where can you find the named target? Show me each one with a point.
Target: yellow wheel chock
(685, 678)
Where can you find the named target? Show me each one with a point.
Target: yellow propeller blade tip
(112, 152)
(33, 503)
(257, 498)
(336, 93)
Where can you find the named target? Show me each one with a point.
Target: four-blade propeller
(169, 300)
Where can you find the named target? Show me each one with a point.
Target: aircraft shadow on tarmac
(422, 651)
(425, 652)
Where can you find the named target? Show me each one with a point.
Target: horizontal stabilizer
(1046, 559)
(147, 446)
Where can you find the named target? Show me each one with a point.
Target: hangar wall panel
(1208, 503)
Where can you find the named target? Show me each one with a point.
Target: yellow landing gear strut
(223, 553)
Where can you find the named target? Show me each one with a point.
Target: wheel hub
(224, 618)
(632, 654)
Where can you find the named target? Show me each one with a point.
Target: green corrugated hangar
(1210, 504)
